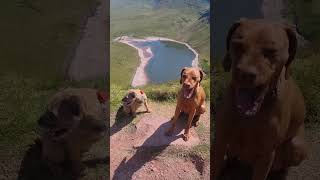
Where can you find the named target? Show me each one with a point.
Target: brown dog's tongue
(187, 93)
(245, 100)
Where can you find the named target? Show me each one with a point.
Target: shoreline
(140, 78)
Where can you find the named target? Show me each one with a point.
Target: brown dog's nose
(186, 85)
(246, 75)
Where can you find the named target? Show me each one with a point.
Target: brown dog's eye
(184, 76)
(269, 53)
(194, 78)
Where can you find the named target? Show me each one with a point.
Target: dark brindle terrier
(75, 119)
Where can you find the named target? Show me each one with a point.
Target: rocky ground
(139, 148)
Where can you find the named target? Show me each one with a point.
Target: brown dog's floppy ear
(293, 44)
(227, 62)
(181, 74)
(202, 74)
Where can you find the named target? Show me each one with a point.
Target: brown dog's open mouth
(248, 100)
(188, 92)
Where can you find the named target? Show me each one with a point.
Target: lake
(168, 58)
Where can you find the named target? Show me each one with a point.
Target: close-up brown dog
(190, 100)
(74, 121)
(133, 100)
(260, 121)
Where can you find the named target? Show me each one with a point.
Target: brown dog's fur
(133, 100)
(267, 130)
(76, 120)
(194, 105)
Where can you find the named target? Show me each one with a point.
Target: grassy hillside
(125, 60)
(37, 42)
(143, 18)
(306, 15)
(37, 37)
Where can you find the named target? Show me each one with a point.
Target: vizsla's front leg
(202, 108)
(219, 146)
(218, 161)
(186, 134)
(263, 166)
(174, 120)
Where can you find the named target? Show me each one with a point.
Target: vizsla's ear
(202, 74)
(227, 61)
(181, 74)
(293, 44)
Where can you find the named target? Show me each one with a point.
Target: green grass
(23, 100)
(156, 92)
(124, 61)
(308, 15)
(38, 36)
(306, 72)
(37, 42)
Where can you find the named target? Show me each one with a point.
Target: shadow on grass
(148, 151)
(122, 120)
(34, 168)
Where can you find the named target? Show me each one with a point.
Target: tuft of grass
(116, 94)
(166, 92)
(22, 102)
(306, 72)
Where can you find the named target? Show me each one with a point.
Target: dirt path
(91, 59)
(140, 150)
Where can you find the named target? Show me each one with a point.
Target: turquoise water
(167, 61)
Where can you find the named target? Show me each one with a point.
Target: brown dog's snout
(186, 85)
(246, 74)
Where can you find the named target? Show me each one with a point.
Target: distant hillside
(186, 20)
(198, 4)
